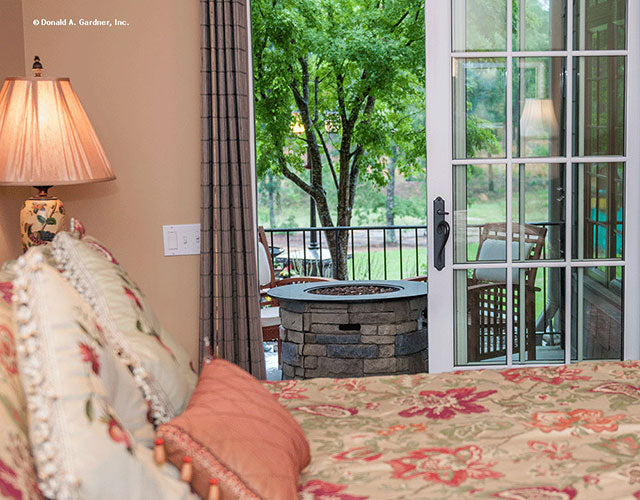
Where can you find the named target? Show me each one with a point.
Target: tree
(391, 195)
(352, 73)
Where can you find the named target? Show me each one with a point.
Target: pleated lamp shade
(539, 120)
(46, 138)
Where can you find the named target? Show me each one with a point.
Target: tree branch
(404, 16)
(293, 177)
(340, 94)
(327, 154)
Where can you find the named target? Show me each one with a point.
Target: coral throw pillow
(235, 431)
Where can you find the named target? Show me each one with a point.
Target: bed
(559, 432)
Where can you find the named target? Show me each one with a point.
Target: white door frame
(439, 180)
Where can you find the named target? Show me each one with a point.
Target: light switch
(182, 239)
(172, 240)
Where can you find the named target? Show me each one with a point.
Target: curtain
(229, 296)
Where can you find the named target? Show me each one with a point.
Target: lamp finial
(37, 67)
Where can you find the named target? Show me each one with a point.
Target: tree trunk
(491, 182)
(339, 249)
(391, 199)
(271, 190)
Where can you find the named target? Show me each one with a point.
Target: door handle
(441, 232)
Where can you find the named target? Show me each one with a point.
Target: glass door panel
(481, 316)
(596, 313)
(539, 314)
(600, 25)
(480, 200)
(539, 211)
(598, 127)
(481, 25)
(538, 106)
(479, 108)
(598, 210)
(539, 25)
(528, 147)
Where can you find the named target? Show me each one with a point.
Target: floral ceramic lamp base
(40, 219)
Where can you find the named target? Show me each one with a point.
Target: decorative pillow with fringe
(84, 409)
(236, 434)
(17, 473)
(130, 325)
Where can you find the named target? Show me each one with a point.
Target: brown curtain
(229, 297)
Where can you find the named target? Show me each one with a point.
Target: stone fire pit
(370, 328)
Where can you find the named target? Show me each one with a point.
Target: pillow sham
(17, 473)
(81, 437)
(130, 324)
(236, 432)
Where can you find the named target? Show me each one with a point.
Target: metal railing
(385, 252)
(374, 252)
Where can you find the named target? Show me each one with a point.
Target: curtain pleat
(229, 296)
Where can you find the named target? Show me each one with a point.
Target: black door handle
(441, 232)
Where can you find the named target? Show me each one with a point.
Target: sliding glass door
(533, 151)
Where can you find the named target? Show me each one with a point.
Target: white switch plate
(181, 239)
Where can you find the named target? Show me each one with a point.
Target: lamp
(539, 120)
(46, 139)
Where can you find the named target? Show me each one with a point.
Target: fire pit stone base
(342, 339)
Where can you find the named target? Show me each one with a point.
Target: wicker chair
(487, 295)
(269, 307)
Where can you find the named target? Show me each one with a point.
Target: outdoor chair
(487, 293)
(269, 307)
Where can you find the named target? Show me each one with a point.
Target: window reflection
(599, 105)
(596, 313)
(600, 25)
(479, 108)
(539, 24)
(538, 106)
(479, 25)
(598, 211)
(539, 200)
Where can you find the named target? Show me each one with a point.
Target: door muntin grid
(532, 124)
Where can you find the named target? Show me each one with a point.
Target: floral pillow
(17, 474)
(130, 324)
(80, 424)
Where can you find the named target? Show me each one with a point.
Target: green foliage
(352, 53)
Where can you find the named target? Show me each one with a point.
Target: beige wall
(140, 87)
(11, 64)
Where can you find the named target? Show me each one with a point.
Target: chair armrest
(299, 279)
(482, 286)
(417, 278)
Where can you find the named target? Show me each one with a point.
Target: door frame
(439, 54)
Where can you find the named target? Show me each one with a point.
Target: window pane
(480, 212)
(538, 311)
(539, 24)
(596, 313)
(599, 106)
(538, 106)
(481, 316)
(538, 211)
(479, 25)
(479, 108)
(600, 25)
(598, 212)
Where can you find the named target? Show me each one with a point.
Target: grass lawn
(359, 264)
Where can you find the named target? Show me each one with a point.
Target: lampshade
(539, 120)
(46, 138)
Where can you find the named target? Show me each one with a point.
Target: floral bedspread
(553, 433)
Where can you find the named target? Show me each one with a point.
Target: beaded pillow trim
(55, 480)
(74, 271)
